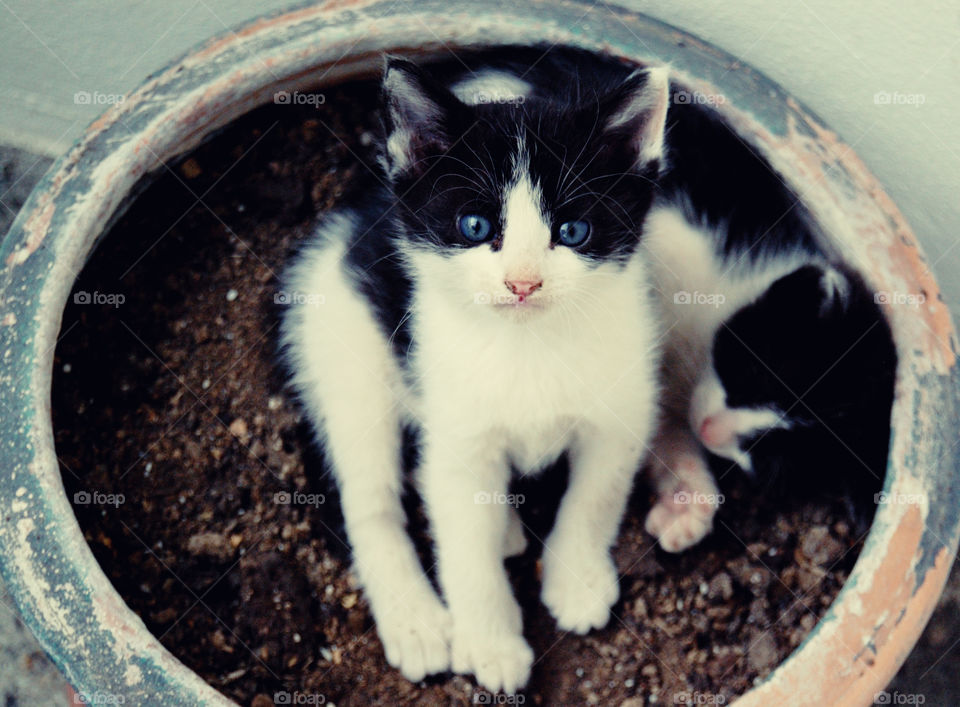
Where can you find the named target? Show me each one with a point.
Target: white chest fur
(535, 383)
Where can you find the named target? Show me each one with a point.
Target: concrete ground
(19, 172)
(930, 676)
(27, 677)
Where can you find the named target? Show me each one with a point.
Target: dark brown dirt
(226, 539)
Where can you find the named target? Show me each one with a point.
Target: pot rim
(68, 602)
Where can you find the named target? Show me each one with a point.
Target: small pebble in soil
(212, 545)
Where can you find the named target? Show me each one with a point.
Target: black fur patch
(374, 263)
(725, 183)
(709, 168)
(465, 163)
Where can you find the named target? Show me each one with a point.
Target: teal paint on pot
(63, 595)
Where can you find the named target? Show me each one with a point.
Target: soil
(203, 498)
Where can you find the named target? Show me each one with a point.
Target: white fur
(687, 497)
(708, 403)
(493, 383)
(652, 102)
(835, 288)
(352, 389)
(398, 149)
(699, 289)
(491, 86)
(526, 234)
(570, 369)
(406, 99)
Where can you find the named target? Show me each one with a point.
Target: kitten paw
(416, 636)
(499, 660)
(579, 589)
(683, 515)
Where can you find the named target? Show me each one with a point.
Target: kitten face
(793, 372)
(522, 206)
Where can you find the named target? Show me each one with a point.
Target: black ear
(417, 111)
(637, 112)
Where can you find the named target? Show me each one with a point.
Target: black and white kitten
(491, 293)
(777, 360)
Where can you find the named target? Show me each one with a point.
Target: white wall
(834, 56)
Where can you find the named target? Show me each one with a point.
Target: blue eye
(573, 233)
(475, 228)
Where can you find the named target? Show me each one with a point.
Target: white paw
(683, 514)
(498, 659)
(415, 632)
(579, 589)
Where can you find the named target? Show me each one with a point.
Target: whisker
(403, 319)
(596, 119)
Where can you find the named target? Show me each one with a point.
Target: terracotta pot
(103, 647)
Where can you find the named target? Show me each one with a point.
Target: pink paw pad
(718, 430)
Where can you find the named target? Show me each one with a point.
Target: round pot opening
(102, 645)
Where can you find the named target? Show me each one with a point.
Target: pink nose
(717, 430)
(524, 288)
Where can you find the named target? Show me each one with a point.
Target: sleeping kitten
(776, 360)
(488, 291)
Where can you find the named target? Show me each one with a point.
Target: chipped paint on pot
(102, 646)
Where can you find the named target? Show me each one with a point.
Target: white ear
(643, 110)
(414, 114)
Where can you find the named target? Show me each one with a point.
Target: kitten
(489, 291)
(776, 360)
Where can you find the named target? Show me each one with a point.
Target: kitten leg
(464, 483)
(412, 623)
(515, 542)
(687, 496)
(580, 581)
(350, 385)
